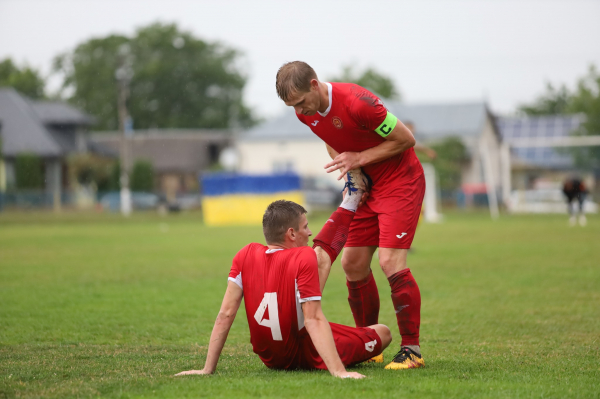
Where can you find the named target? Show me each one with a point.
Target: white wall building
(285, 144)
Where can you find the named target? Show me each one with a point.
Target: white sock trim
(351, 202)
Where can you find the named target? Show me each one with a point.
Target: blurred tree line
(371, 79)
(179, 81)
(583, 99)
(24, 79)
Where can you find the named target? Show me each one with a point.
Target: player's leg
(356, 345)
(398, 222)
(571, 210)
(363, 296)
(331, 239)
(580, 200)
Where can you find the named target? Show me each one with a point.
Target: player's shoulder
(253, 247)
(355, 97)
(305, 254)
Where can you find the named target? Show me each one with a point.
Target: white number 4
(269, 301)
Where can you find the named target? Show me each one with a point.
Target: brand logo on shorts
(400, 236)
(315, 123)
(337, 122)
(370, 346)
(330, 220)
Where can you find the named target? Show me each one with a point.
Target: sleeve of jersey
(308, 276)
(235, 274)
(371, 113)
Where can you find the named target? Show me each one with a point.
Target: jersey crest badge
(337, 122)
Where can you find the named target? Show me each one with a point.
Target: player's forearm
(217, 340)
(385, 150)
(322, 338)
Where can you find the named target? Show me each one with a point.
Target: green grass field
(93, 305)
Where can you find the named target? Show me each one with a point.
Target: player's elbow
(226, 314)
(410, 141)
(312, 323)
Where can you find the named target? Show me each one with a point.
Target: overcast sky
(436, 51)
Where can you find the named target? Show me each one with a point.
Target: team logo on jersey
(337, 122)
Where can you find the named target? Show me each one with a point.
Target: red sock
(363, 298)
(334, 234)
(407, 303)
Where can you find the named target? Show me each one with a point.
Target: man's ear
(290, 234)
(314, 84)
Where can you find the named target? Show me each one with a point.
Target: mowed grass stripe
(93, 305)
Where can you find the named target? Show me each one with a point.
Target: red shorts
(389, 219)
(354, 345)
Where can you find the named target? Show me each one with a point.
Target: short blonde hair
(294, 77)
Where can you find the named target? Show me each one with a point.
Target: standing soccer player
(359, 132)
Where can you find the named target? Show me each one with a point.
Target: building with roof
(530, 163)
(49, 129)
(178, 156)
(285, 144)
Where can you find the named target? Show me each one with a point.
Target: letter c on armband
(388, 124)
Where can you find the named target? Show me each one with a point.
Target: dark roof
(169, 151)
(26, 124)
(431, 121)
(22, 130)
(55, 112)
(435, 121)
(552, 126)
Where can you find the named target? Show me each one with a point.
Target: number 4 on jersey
(269, 301)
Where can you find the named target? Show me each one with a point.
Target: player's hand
(350, 374)
(344, 162)
(193, 372)
(363, 198)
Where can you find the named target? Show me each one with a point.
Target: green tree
(179, 81)
(584, 99)
(554, 102)
(451, 157)
(25, 79)
(28, 172)
(142, 176)
(370, 79)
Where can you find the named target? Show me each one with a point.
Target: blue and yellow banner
(234, 199)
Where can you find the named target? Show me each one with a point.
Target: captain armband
(388, 124)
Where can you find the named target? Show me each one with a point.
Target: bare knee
(384, 333)
(356, 262)
(392, 260)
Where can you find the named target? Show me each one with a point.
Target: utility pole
(124, 73)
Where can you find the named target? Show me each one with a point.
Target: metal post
(506, 174)
(488, 175)
(123, 75)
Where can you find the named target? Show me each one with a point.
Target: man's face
(303, 232)
(305, 103)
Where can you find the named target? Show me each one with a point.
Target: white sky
(450, 50)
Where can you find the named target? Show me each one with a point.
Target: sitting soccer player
(280, 286)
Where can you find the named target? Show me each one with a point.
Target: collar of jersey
(270, 251)
(330, 88)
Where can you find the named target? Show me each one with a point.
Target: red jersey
(275, 283)
(349, 124)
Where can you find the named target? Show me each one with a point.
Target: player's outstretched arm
(229, 307)
(320, 333)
